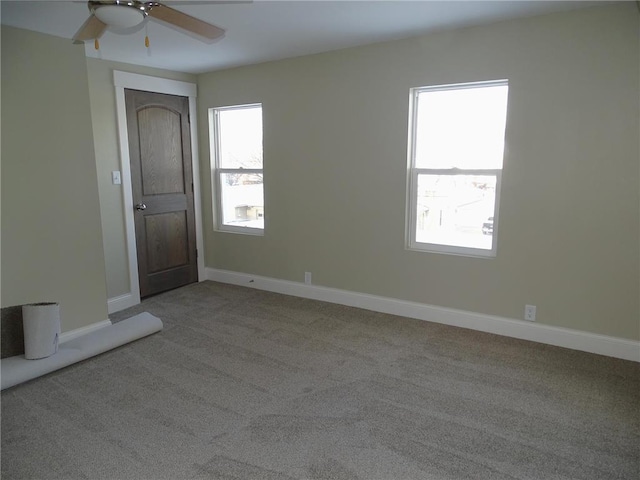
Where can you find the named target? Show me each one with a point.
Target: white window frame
(217, 172)
(414, 172)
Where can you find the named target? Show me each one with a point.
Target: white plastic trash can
(41, 325)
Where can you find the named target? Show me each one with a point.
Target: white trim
(122, 80)
(79, 332)
(127, 195)
(535, 332)
(147, 83)
(197, 204)
(121, 302)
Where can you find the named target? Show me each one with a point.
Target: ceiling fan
(121, 14)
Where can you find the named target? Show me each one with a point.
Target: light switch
(115, 177)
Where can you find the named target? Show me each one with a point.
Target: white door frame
(134, 81)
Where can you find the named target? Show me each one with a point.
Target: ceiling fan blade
(208, 2)
(185, 22)
(92, 28)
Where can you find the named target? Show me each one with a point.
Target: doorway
(127, 80)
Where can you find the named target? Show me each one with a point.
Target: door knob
(141, 206)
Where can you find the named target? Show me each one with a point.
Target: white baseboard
(121, 302)
(536, 332)
(78, 332)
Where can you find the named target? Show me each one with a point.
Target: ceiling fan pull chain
(96, 44)
(146, 35)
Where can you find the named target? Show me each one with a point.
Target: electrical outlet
(307, 278)
(530, 313)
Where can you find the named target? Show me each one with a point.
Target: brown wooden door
(162, 184)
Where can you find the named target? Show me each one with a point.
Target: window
(236, 152)
(456, 147)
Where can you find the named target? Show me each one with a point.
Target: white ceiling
(265, 30)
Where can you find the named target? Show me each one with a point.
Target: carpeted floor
(244, 384)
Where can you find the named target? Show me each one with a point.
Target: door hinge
(191, 186)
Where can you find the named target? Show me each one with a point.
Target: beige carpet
(244, 384)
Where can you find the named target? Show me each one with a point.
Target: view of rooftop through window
(458, 147)
(238, 165)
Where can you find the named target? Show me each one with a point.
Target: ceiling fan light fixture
(124, 16)
(119, 16)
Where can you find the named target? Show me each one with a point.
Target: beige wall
(107, 152)
(51, 236)
(335, 149)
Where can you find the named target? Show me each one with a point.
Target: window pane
(456, 210)
(242, 200)
(461, 128)
(240, 137)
